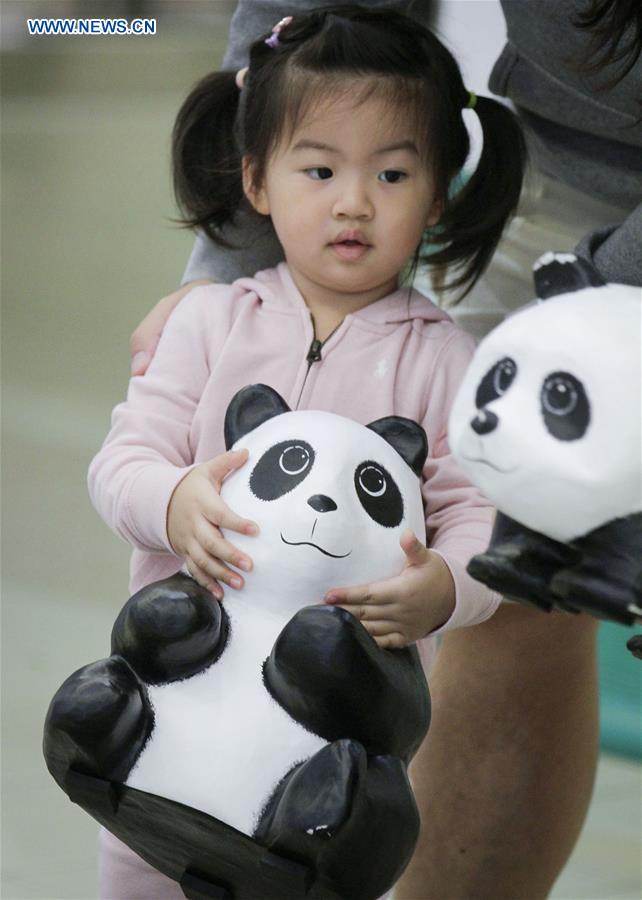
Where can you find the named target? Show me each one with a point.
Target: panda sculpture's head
(331, 497)
(547, 419)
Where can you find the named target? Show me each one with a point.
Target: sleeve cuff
(474, 602)
(149, 495)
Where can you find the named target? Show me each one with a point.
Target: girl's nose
(352, 201)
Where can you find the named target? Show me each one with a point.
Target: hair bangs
(306, 93)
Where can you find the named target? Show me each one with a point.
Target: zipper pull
(314, 353)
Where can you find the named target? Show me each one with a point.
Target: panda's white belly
(220, 742)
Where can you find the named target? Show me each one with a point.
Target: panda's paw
(170, 630)
(598, 592)
(606, 578)
(508, 577)
(98, 722)
(519, 563)
(314, 799)
(328, 673)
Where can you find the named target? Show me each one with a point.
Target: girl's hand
(143, 342)
(403, 609)
(195, 516)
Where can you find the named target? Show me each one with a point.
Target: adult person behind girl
(357, 114)
(512, 730)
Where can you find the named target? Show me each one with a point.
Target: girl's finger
(214, 544)
(358, 610)
(392, 641)
(230, 520)
(416, 552)
(213, 567)
(380, 627)
(378, 594)
(218, 514)
(203, 579)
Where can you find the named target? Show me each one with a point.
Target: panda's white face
(331, 498)
(547, 420)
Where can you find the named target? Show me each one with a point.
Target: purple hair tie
(273, 40)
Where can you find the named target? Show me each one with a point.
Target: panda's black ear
(249, 408)
(407, 437)
(563, 273)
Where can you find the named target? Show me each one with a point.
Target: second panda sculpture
(259, 747)
(547, 423)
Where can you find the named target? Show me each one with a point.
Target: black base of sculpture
(599, 573)
(244, 869)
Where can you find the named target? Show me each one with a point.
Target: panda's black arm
(328, 673)
(170, 630)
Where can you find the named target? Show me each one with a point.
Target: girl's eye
(319, 173)
(391, 176)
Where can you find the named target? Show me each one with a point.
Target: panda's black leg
(314, 799)
(330, 675)
(334, 809)
(607, 580)
(519, 563)
(97, 722)
(170, 630)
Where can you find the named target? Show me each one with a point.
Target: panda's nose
(484, 422)
(321, 503)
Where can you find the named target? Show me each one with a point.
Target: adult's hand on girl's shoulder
(144, 339)
(195, 515)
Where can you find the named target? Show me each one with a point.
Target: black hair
(378, 52)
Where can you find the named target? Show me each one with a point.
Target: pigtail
(206, 158)
(473, 220)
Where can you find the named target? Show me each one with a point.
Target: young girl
(346, 131)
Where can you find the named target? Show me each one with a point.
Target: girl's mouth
(350, 249)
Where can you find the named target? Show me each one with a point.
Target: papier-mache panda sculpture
(258, 747)
(547, 423)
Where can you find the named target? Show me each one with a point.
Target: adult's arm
(616, 252)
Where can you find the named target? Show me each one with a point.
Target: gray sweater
(589, 140)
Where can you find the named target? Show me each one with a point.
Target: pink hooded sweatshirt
(401, 355)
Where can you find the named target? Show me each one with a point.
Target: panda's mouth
(316, 547)
(486, 462)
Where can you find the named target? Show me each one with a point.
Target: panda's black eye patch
(378, 494)
(281, 468)
(565, 406)
(496, 381)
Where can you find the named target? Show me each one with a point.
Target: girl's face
(350, 195)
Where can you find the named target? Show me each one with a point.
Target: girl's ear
(256, 196)
(435, 211)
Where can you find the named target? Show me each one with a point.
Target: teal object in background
(620, 692)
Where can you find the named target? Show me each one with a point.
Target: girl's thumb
(412, 547)
(222, 465)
